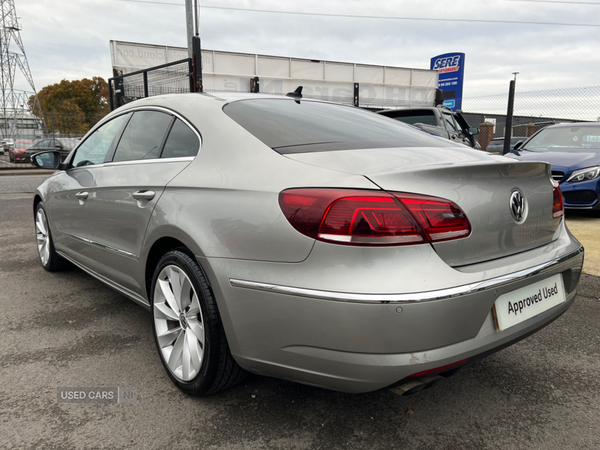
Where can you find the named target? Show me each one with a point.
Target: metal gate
(176, 77)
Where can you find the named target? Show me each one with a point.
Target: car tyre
(187, 327)
(50, 259)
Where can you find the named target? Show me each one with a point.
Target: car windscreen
(288, 126)
(565, 139)
(22, 145)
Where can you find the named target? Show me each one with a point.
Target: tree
(74, 106)
(68, 118)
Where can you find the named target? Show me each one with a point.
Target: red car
(17, 153)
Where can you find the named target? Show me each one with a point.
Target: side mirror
(473, 131)
(46, 160)
(518, 145)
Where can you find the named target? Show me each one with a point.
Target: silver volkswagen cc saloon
(308, 241)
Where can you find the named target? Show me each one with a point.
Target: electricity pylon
(14, 104)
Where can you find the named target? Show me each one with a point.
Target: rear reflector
(439, 369)
(558, 207)
(357, 217)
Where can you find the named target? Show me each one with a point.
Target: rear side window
(143, 136)
(182, 142)
(290, 127)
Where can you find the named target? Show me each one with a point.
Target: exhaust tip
(415, 385)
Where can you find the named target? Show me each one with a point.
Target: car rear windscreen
(288, 126)
(424, 116)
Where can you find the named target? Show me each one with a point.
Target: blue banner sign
(451, 71)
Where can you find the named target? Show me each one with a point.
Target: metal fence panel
(172, 78)
(534, 110)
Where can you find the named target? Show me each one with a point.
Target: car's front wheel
(187, 328)
(51, 261)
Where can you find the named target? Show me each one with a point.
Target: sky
(69, 39)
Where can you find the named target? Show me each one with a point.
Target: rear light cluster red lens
(558, 207)
(358, 217)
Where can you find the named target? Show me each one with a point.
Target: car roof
(225, 97)
(574, 124)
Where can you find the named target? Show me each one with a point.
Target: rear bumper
(357, 341)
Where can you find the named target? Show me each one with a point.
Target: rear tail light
(558, 207)
(441, 219)
(358, 217)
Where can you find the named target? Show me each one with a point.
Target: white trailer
(377, 86)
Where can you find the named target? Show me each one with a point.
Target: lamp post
(194, 44)
(509, 114)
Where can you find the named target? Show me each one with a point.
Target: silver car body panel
(429, 296)
(472, 180)
(303, 339)
(68, 214)
(223, 206)
(120, 219)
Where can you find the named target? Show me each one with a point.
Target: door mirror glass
(46, 160)
(473, 131)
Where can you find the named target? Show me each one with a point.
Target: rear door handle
(144, 195)
(82, 195)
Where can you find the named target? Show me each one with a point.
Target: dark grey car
(62, 145)
(308, 241)
(496, 145)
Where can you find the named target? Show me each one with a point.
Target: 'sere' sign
(450, 67)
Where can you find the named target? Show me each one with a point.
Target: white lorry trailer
(367, 85)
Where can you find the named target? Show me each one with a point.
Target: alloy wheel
(178, 323)
(43, 237)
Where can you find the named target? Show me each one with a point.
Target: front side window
(182, 142)
(143, 136)
(96, 146)
(450, 124)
